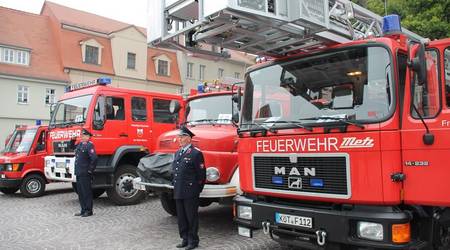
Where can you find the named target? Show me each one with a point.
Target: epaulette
(197, 149)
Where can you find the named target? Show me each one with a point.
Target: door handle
(123, 135)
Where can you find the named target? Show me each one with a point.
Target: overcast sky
(128, 11)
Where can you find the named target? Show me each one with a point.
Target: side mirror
(419, 65)
(174, 106)
(235, 118)
(99, 114)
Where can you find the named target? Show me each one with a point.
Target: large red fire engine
(22, 162)
(125, 125)
(343, 138)
(208, 116)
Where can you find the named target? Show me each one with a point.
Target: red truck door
(426, 164)
(40, 149)
(114, 133)
(162, 119)
(140, 125)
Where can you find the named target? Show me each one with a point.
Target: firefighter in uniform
(85, 163)
(188, 180)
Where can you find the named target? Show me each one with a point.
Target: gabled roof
(174, 77)
(86, 20)
(31, 32)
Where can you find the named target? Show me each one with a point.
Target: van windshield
(71, 111)
(21, 141)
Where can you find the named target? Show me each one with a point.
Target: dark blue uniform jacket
(189, 173)
(85, 159)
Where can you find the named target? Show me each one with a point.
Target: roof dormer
(91, 51)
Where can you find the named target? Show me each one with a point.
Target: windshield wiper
(338, 119)
(261, 128)
(293, 123)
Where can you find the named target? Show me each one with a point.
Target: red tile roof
(174, 77)
(72, 57)
(86, 20)
(33, 32)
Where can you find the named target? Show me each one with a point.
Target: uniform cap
(86, 132)
(185, 131)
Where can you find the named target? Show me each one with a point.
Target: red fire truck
(125, 125)
(22, 162)
(208, 116)
(343, 137)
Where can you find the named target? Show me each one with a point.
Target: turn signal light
(401, 233)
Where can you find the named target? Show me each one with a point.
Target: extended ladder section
(262, 27)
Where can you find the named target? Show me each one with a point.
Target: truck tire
(33, 186)
(8, 190)
(122, 192)
(168, 203)
(96, 192)
(205, 202)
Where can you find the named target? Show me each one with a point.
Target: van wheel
(8, 190)
(168, 203)
(33, 186)
(123, 193)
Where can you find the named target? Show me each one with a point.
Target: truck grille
(62, 147)
(318, 175)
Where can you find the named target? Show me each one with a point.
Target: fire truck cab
(209, 117)
(125, 125)
(22, 162)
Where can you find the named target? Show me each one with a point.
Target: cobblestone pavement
(48, 223)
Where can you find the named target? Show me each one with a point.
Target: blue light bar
(38, 122)
(277, 180)
(314, 182)
(391, 24)
(104, 80)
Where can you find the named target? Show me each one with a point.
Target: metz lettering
(296, 145)
(353, 142)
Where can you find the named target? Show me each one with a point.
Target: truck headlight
(212, 174)
(369, 230)
(13, 167)
(244, 212)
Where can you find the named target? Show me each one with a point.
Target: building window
(49, 96)
(163, 68)
(91, 55)
(237, 75)
(190, 70)
(14, 56)
(220, 73)
(131, 61)
(161, 111)
(139, 108)
(22, 94)
(201, 74)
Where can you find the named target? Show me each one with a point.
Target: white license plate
(61, 165)
(293, 220)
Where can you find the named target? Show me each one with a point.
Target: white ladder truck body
(343, 132)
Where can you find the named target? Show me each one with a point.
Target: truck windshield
(213, 109)
(21, 141)
(350, 86)
(71, 111)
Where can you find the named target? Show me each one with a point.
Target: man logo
(295, 182)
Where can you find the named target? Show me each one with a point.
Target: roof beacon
(391, 24)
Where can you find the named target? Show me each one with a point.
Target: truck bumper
(9, 183)
(329, 227)
(60, 168)
(209, 191)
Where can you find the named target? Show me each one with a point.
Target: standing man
(85, 163)
(189, 176)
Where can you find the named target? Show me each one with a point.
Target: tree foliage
(428, 18)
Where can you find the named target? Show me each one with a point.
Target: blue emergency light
(201, 88)
(277, 180)
(391, 24)
(315, 182)
(104, 80)
(38, 122)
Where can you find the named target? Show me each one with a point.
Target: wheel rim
(124, 186)
(33, 186)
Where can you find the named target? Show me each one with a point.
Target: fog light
(212, 174)
(244, 212)
(369, 230)
(246, 232)
(401, 233)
